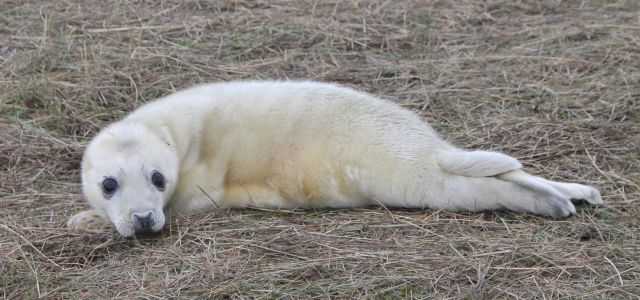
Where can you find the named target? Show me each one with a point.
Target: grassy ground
(553, 83)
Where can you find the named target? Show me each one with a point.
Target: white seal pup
(293, 145)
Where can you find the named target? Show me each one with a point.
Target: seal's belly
(293, 177)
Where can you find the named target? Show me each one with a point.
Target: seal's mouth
(130, 231)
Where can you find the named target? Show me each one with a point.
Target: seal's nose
(143, 221)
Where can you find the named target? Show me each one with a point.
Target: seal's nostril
(143, 221)
(142, 218)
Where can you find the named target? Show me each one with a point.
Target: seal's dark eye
(158, 180)
(109, 186)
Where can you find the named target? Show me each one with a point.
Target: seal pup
(288, 144)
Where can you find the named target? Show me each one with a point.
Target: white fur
(298, 144)
(476, 163)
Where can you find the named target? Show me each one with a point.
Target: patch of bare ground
(553, 83)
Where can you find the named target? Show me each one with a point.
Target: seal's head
(128, 175)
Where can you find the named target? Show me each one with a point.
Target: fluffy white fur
(296, 144)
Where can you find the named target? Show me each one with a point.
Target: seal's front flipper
(88, 220)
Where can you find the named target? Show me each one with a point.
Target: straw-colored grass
(553, 83)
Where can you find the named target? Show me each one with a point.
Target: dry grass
(554, 83)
